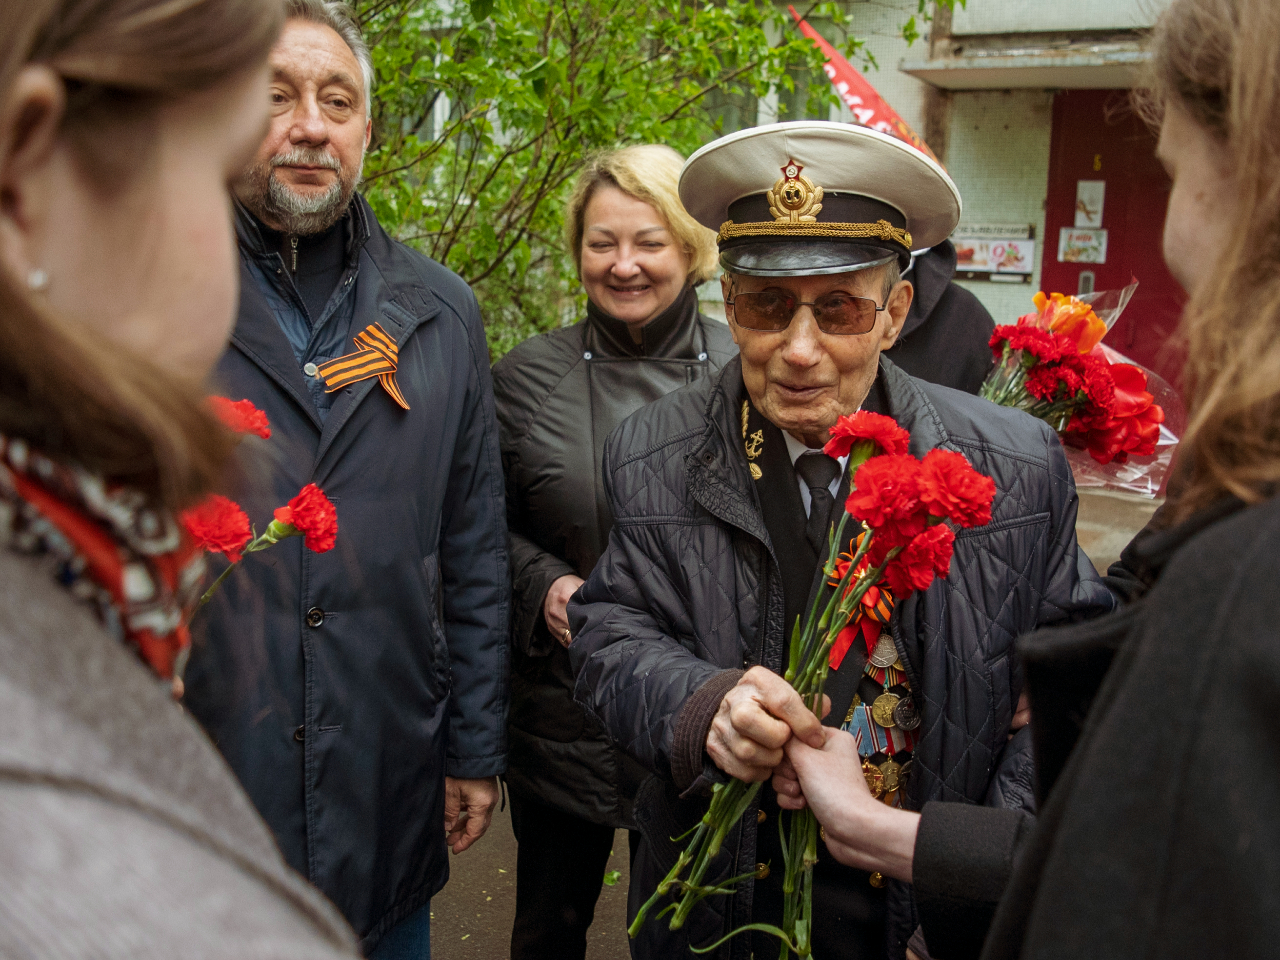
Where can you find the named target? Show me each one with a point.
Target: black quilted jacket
(689, 592)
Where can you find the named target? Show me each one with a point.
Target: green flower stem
(275, 532)
(807, 669)
(213, 587)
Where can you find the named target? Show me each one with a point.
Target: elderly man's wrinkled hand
(755, 720)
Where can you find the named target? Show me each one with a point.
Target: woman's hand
(860, 831)
(829, 779)
(554, 607)
(760, 714)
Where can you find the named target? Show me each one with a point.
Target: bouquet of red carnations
(1051, 363)
(903, 506)
(221, 526)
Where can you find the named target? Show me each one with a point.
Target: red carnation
(218, 525)
(312, 514)
(1044, 346)
(884, 432)
(925, 557)
(1053, 381)
(1099, 382)
(950, 488)
(240, 416)
(886, 496)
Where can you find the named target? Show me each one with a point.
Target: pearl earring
(37, 280)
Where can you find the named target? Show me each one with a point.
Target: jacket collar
(719, 478)
(250, 231)
(393, 297)
(1150, 551)
(671, 334)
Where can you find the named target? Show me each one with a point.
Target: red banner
(867, 106)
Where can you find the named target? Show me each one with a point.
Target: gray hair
(341, 19)
(892, 275)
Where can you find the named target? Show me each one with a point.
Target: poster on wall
(1008, 250)
(1090, 195)
(1082, 246)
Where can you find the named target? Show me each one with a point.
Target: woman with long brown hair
(122, 833)
(1155, 727)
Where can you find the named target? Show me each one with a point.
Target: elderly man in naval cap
(721, 498)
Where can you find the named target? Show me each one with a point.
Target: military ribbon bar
(874, 611)
(376, 356)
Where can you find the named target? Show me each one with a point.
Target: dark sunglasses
(837, 313)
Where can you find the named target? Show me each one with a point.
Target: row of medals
(888, 710)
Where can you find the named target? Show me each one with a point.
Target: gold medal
(904, 774)
(890, 771)
(882, 709)
(875, 779)
(885, 654)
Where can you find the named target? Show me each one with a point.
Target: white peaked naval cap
(815, 197)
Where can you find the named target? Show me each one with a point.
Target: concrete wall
(999, 158)
(879, 26)
(998, 150)
(1040, 16)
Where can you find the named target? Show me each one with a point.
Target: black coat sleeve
(633, 651)
(964, 857)
(533, 569)
(475, 578)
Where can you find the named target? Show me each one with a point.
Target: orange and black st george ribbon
(376, 356)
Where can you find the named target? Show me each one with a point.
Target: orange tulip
(1072, 318)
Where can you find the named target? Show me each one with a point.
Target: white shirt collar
(796, 449)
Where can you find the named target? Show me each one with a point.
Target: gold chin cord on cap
(880, 230)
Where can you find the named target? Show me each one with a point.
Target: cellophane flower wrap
(220, 525)
(904, 509)
(1052, 364)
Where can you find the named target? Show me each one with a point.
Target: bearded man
(359, 694)
(722, 499)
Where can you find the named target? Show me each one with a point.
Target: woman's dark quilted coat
(558, 398)
(689, 590)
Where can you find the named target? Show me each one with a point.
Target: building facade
(1026, 103)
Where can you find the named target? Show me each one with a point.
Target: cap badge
(794, 198)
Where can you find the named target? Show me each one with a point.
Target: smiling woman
(122, 833)
(558, 396)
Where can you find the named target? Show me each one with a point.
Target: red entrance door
(1096, 136)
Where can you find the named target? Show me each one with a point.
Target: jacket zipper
(293, 246)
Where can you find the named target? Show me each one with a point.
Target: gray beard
(273, 202)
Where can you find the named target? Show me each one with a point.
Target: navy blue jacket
(342, 687)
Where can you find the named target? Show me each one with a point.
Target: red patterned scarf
(132, 562)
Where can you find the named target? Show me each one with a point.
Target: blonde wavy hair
(648, 172)
(1219, 61)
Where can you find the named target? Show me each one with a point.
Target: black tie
(817, 470)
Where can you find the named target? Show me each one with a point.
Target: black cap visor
(802, 257)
